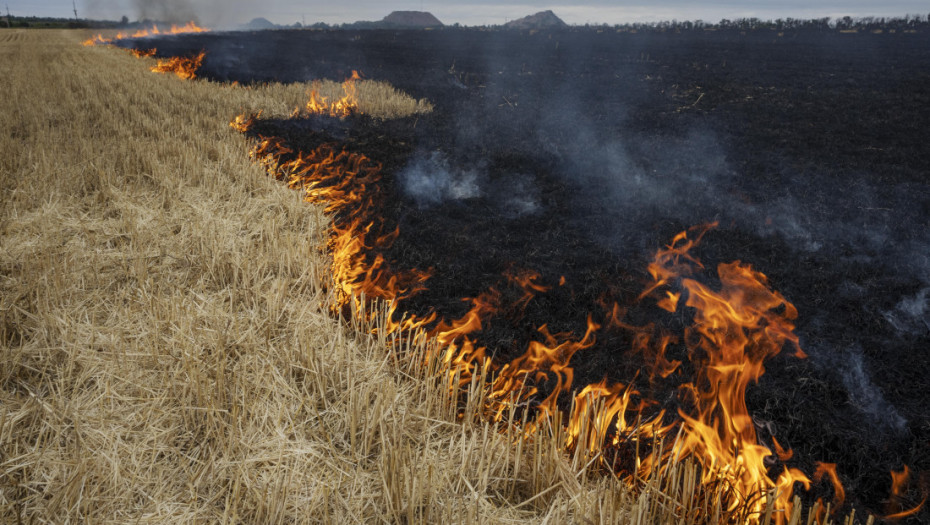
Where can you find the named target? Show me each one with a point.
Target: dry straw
(166, 350)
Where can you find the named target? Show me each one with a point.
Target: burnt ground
(579, 153)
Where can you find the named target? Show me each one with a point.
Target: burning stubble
(624, 185)
(634, 183)
(161, 330)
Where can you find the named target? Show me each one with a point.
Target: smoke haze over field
(481, 12)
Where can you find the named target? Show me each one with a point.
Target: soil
(578, 153)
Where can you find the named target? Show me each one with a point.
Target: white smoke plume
(911, 314)
(864, 395)
(429, 180)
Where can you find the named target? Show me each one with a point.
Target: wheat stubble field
(166, 350)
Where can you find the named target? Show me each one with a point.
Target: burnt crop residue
(557, 165)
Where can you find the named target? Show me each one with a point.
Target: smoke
(517, 196)
(863, 394)
(214, 14)
(870, 235)
(625, 184)
(431, 180)
(910, 315)
(867, 397)
(175, 11)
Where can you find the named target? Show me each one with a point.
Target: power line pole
(9, 19)
(74, 5)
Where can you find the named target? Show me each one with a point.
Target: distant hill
(411, 20)
(541, 20)
(259, 24)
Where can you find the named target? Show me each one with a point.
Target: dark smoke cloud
(176, 11)
(214, 14)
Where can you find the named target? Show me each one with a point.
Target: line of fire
(694, 337)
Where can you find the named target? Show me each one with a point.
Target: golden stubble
(167, 354)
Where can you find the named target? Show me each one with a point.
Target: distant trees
(738, 25)
(846, 23)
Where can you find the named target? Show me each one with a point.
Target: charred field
(555, 165)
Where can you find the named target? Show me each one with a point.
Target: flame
(648, 341)
(190, 27)
(543, 362)
(527, 281)
(735, 327)
(899, 483)
(99, 39)
(243, 123)
(839, 494)
(783, 455)
(140, 53)
(599, 418)
(343, 107)
(347, 183)
(183, 67)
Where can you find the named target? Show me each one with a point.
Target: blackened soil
(577, 154)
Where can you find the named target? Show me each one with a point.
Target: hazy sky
(473, 12)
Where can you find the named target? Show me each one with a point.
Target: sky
(219, 13)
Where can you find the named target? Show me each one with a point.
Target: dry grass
(166, 352)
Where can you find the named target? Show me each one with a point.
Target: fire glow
(735, 328)
(341, 108)
(732, 328)
(184, 67)
(190, 27)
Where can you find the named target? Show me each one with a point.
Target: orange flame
(648, 342)
(141, 53)
(527, 281)
(243, 123)
(839, 494)
(346, 182)
(899, 483)
(736, 327)
(97, 40)
(190, 27)
(543, 362)
(344, 107)
(183, 67)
